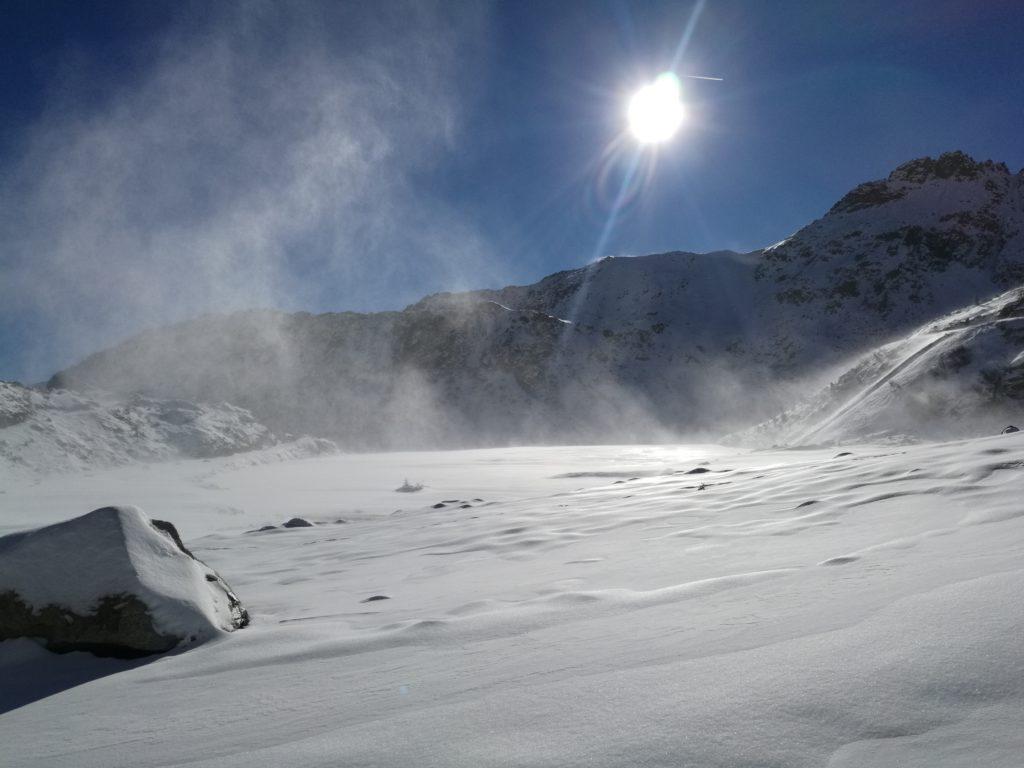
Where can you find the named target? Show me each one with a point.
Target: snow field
(574, 606)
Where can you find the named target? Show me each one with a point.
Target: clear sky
(159, 160)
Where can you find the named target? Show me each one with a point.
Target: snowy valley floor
(586, 606)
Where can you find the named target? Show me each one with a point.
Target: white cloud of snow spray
(268, 158)
(265, 157)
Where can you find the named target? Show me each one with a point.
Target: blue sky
(160, 160)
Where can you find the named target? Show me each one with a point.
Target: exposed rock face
(119, 625)
(113, 583)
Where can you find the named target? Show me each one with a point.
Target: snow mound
(112, 582)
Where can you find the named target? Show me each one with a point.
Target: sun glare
(656, 111)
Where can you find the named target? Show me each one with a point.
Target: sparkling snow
(860, 606)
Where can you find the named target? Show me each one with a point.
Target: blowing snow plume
(255, 157)
(650, 348)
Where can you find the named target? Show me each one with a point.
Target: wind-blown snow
(575, 606)
(959, 375)
(642, 349)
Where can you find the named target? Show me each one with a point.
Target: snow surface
(113, 551)
(590, 606)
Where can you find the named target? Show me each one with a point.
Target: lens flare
(656, 110)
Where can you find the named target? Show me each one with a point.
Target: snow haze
(495, 434)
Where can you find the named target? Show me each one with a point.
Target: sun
(656, 110)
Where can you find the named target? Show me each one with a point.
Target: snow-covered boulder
(112, 582)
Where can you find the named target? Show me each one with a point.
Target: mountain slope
(62, 430)
(962, 374)
(622, 349)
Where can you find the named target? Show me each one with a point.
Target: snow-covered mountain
(961, 374)
(935, 235)
(60, 430)
(622, 349)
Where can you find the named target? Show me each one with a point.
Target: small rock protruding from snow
(1010, 429)
(112, 582)
(297, 522)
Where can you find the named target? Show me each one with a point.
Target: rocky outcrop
(113, 583)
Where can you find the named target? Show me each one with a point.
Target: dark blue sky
(162, 159)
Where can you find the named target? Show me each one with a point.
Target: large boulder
(112, 582)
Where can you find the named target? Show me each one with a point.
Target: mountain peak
(955, 165)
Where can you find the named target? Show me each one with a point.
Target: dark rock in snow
(439, 505)
(297, 522)
(1010, 429)
(119, 625)
(114, 583)
(168, 528)
(375, 598)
